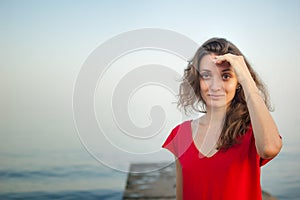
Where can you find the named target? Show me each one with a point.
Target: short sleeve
(180, 139)
(171, 141)
(263, 161)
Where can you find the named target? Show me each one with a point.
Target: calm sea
(58, 175)
(67, 175)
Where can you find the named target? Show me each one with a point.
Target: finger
(222, 58)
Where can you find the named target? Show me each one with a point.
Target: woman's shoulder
(183, 126)
(246, 136)
(184, 123)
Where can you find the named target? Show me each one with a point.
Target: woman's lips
(216, 96)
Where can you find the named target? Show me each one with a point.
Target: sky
(44, 44)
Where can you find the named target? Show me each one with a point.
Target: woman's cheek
(231, 87)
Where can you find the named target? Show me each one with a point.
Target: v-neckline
(201, 155)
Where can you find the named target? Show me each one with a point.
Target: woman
(220, 154)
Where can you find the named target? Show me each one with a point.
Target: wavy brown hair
(237, 118)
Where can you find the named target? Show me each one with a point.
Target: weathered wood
(158, 183)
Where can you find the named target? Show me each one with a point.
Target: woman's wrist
(252, 96)
(250, 89)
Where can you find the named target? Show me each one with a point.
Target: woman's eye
(226, 76)
(205, 76)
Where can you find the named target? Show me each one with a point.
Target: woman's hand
(239, 66)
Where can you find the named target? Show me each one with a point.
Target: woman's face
(218, 82)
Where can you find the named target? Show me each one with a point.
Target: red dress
(233, 174)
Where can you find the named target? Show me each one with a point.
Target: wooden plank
(158, 183)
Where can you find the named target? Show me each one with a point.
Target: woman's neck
(215, 116)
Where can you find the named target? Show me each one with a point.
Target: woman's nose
(216, 84)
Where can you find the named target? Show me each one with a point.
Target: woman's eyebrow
(205, 70)
(227, 70)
